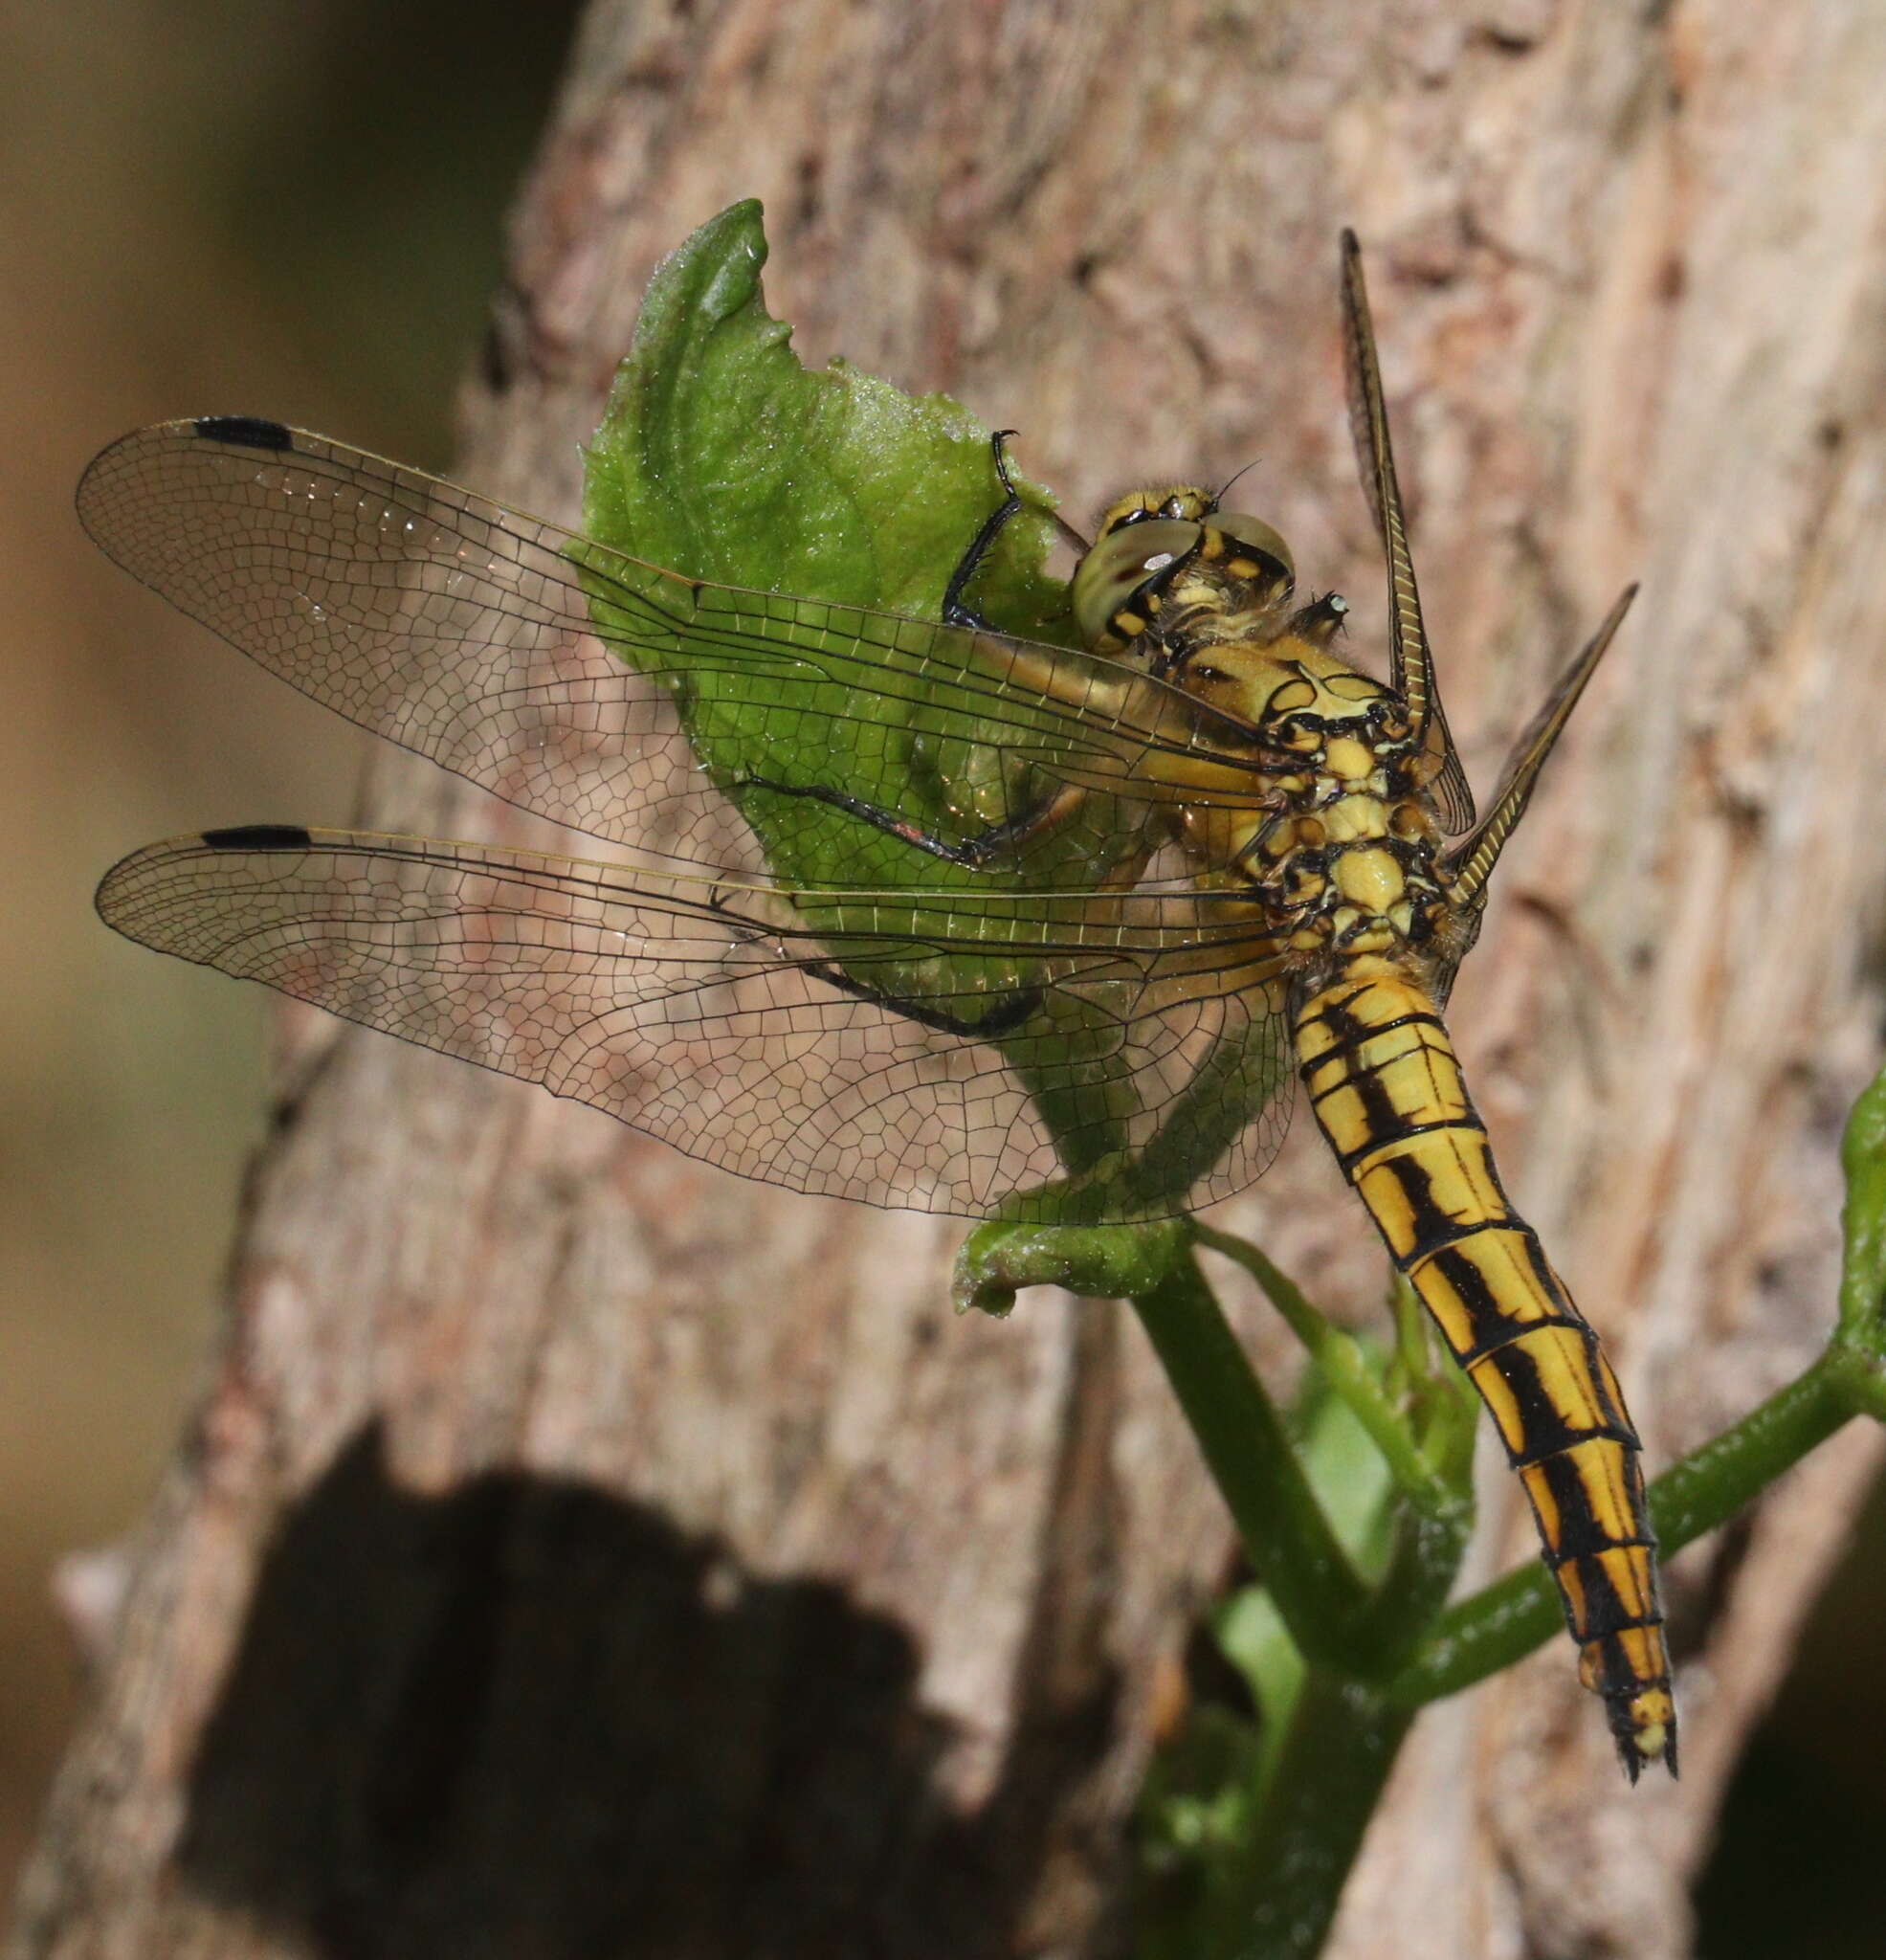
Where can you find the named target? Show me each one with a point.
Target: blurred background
(298, 212)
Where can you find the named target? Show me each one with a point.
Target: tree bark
(579, 1551)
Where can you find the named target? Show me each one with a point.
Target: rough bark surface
(579, 1551)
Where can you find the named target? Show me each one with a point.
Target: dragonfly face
(1161, 552)
(920, 913)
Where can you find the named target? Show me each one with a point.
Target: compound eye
(1121, 565)
(1258, 536)
(1169, 502)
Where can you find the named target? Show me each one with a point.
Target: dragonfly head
(1148, 537)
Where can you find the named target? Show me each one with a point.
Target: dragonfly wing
(874, 1045)
(572, 680)
(1411, 669)
(1473, 857)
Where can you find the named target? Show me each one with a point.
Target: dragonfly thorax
(1345, 860)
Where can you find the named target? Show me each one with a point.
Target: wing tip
(124, 882)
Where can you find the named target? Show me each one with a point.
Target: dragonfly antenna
(1219, 496)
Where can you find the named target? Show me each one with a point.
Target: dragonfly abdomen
(1387, 1089)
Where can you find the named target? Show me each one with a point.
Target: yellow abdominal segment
(1386, 1088)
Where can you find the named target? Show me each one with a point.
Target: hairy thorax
(1343, 851)
(1346, 861)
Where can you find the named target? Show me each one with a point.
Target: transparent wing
(1411, 670)
(1473, 857)
(871, 1045)
(589, 686)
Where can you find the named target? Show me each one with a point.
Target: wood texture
(581, 1553)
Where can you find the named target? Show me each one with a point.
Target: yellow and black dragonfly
(916, 911)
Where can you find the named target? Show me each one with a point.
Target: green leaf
(721, 456)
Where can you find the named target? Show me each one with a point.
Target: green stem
(1422, 1565)
(1509, 1618)
(1862, 1326)
(1319, 1594)
(1324, 1787)
(1340, 1357)
(1856, 1357)
(1290, 1544)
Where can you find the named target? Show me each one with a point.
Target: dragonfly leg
(1003, 1017)
(1001, 839)
(954, 612)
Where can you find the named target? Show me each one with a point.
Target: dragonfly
(916, 911)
